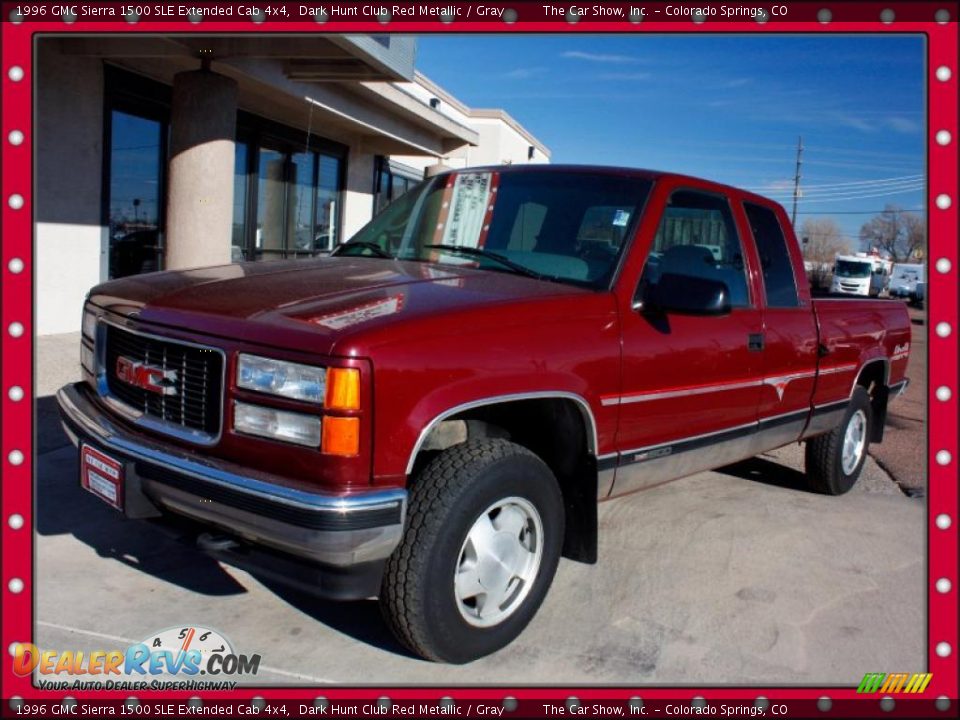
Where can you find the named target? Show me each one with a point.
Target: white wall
(69, 241)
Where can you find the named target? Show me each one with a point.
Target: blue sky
(728, 108)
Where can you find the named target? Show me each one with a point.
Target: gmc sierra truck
(431, 415)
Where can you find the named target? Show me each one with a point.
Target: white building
(171, 152)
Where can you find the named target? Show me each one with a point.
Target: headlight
(276, 424)
(89, 325)
(278, 377)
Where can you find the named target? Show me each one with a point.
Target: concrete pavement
(737, 576)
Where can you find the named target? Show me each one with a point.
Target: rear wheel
(834, 460)
(482, 544)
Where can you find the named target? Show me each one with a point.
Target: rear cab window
(779, 278)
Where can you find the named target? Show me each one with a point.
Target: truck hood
(314, 304)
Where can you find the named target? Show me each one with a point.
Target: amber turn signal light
(343, 389)
(341, 436)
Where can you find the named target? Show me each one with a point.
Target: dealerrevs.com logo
(178, 658)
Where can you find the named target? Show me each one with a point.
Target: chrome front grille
(190, 398)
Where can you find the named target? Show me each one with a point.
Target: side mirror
(685, 294)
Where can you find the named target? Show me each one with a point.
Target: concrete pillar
(199, 215)
(358, 196)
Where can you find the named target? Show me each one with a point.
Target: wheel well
(556, 430)
(873, 377)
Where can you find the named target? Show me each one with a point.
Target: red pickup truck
(432, 414)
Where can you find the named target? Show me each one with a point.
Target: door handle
(755, 342)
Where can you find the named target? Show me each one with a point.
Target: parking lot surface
(736, 576)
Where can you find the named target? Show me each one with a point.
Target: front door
(690, 383)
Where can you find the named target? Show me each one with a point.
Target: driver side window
(698, 237)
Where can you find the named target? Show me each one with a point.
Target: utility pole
(796, 181)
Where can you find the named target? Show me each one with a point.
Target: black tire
(824, 453)
(418, 597)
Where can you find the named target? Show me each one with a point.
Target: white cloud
(600, 57)
(523, 73)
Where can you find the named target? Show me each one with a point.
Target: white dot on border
(636, 17)
(384, 702)
(762, 17)
(698, 17)
(15, 393)
(384, 18)
(15, 265)
(943, 137)
(12, 648)
(69, 701)
(943, 703)
(320, 702)
(943, 521)
(824, 16)
(16, 201)
(572, 17)
(15, 17)
(447, 18)
(887, 704)
(943, 73)
(762, 703)
(132, 18)
(944, 585)
(258, 16)
(15, 586)
(15, 457)
(195, 18)
(942, 16)
(943, 457)
(69, 18)
(944, 393)
(944, 265)
(195, 702)
(699, 701)
(635, 703)
(509, 16)
(258, 702)
(887, 16)
(131, 702)
(15, 329)
(509, 703)
(15, 521)
(824, 704)
(446, 701)
(321, 18)
(573, 702)
(15, 703)
(943, 201)
(943, 329)
(15, 73)
(943, 649)
(15, 137)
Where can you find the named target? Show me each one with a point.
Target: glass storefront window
(237, 242)
(326, 228)
(135, 194)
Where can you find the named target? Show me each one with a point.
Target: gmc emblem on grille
(147, 377)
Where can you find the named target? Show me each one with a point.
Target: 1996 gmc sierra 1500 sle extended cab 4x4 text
(432, 414)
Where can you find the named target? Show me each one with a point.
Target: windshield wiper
(480, 252)
(373, 247)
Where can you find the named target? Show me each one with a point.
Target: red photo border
(18, 35)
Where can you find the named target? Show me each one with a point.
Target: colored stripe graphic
(894, 683)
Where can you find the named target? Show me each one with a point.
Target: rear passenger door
(690, 383)
(789, 329)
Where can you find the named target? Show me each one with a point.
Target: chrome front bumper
(332, 530)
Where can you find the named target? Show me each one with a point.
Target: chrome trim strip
(137, 417)
(592, 441)
(837, 369)
(684, 392)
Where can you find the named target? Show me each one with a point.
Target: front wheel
(834, 460)
(482, 544)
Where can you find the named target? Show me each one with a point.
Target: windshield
(852, 269)
(567, 227)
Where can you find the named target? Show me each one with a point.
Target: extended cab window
(779, 282)
(697, 236)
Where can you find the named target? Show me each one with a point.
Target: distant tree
(822, 240)
(899, 233)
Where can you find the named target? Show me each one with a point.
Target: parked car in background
(432, 414)
(904, 280)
